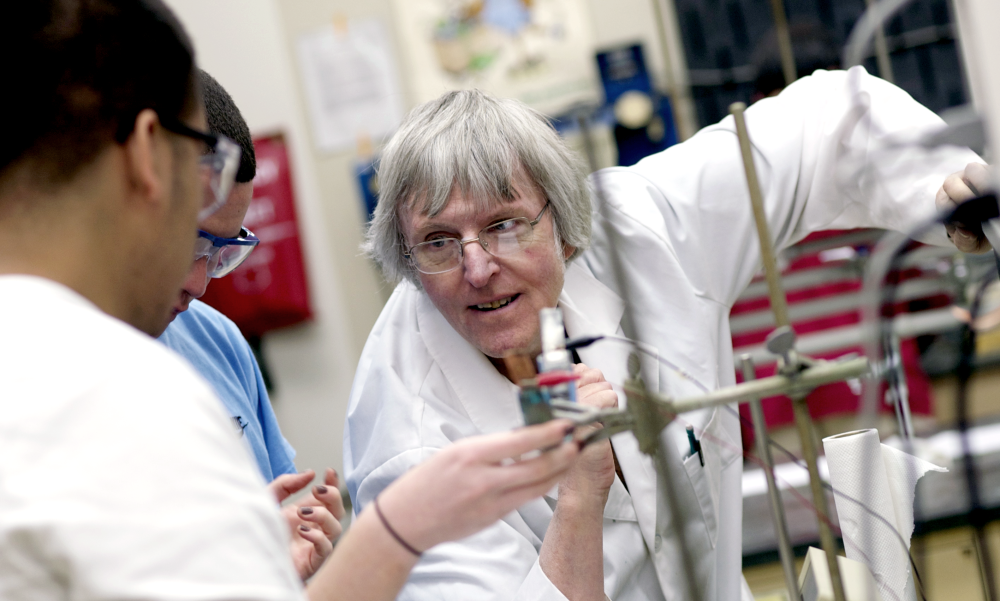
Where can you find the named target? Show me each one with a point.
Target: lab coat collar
(490, 399)
(591, 308)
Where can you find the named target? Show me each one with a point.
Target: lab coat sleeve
(828, 156)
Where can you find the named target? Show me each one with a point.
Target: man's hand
(314, 520)
(973, 181)
(594, 472)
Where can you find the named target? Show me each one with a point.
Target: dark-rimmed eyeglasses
(219, 164)
(224, 254)
(503, 238)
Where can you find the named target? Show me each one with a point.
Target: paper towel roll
(882, 479)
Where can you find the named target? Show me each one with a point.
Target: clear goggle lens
(224, 255)
(218, 174)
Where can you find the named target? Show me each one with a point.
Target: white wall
(248, 46)
(242, 44)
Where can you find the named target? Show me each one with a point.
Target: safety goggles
(218, 164)
(224, 254)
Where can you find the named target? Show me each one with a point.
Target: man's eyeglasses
(218, 164)
(444, 254)
(224, 254)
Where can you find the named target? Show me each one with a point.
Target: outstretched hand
(314, 520)
(476, 481)
(959, 187)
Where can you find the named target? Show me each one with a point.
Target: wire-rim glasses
(503, 238)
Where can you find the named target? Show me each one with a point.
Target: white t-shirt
(121, 477)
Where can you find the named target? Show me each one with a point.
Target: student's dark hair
(77, 73)
(812, 46)
(224, 118)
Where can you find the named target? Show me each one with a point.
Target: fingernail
(304, 528)
(322, 489)
(306, 510)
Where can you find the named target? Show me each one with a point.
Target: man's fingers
(956, 190)
(599, 394)
(977, 177)
(287, 485)
(494, 448)
(587, 375)
(963, 239)
(959, 187)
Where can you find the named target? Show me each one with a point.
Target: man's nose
(197, 278)
(478, 264)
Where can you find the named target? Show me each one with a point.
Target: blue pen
(695, 445)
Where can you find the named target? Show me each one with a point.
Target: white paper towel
(882, 479)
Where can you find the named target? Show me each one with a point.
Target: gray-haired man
(467, 169)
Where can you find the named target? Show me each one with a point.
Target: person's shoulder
(63, 353)
(49, 318)
(204, 332)
(207, 318)
(399, 314)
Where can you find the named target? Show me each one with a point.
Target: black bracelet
(395, 535)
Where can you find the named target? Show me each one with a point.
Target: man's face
(172, 242)
(224, 223)
(527, 281)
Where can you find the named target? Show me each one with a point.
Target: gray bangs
(485, 147)
(484, 173)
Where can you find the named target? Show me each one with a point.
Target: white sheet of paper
(351, 82)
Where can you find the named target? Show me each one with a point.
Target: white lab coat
(688, 247)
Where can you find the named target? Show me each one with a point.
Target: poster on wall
(537, 51)
(351, 83)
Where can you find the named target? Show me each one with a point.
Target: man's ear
(143, 149)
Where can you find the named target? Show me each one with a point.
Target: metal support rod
(675, 68)
(668, 69)
(882, 58)
(780, 308)
(666, 476)
(801, 383)
(784, 42)
(778, 304)
(898, 389)
(648, 423)
(804, 424)
(773, 494)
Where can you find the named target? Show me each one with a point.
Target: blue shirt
(213, 344)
